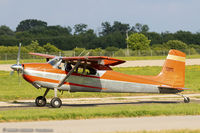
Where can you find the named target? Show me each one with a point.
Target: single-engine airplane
(94, 74)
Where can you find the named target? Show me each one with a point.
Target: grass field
(100, 112)
(42, 60)
(12, 89)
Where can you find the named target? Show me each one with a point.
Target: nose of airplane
(16, 67)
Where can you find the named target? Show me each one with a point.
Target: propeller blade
(17, 67)
(18, 55)
(19, 80)
(18, 73)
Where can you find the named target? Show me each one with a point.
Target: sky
(159, 15)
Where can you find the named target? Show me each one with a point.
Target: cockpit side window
(68, 67)
(92, 71)
(85, 70)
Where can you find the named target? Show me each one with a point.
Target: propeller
(18, 55)
(17, 67)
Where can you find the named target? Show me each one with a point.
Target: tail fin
(173, 71)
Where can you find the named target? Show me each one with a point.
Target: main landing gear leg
(56, 102)
(186, 99)
(41, 101)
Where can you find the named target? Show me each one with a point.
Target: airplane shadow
(124, 103)
(27, 105)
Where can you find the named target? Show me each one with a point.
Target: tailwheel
(56, 102)
(186, 99)
(40, 101)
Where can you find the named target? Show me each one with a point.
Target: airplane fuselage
(44, 75)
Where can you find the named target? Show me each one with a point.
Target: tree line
(81, 36)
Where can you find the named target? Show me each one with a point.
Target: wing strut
(69, 73)
(67, 76)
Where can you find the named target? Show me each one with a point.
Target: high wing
(101, 60)
(44, 55)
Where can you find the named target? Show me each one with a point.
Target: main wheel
(186, 99)
(56, 102)
(40, 101)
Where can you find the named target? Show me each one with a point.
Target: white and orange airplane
(94, 74)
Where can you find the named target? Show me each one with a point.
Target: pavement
(142, 63)
(105, 125)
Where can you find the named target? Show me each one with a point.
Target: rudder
(173, 71)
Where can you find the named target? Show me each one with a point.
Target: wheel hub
(40, 101)
(56, 103)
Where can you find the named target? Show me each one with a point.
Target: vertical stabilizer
(173, 71)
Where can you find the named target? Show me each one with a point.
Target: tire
(56, 102)
(186, 99)
(40, 101)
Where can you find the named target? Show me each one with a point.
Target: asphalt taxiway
(105, 125)
(106, 101)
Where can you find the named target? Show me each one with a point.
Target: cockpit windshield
(84, 67)
(55, 62)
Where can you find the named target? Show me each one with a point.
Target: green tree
(184, 36)
(29, 24)
(122, 28)
(145, 28)
(154, 37)
(175, 44)
(35, 47)
(138, 41)
(110, 51)
(166, 36)
(79, 51)
(106, 28)
(158, 49)
(96, 52)
(195, 46)
(5, 30)
(80, 28)
(11, 52)
(120, 52)
(51, 48)
(116, 27)
(140, 28)
(57, 31)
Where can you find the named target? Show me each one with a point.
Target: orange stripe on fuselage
(46, 67)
